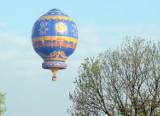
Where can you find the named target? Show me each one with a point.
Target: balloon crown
(55, 11)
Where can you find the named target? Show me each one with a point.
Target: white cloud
(111, 36)
(3, 24)
(18, 56)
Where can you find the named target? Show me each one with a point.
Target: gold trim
(61, 59)
(55, 17)
(55, 54)
(52, 38)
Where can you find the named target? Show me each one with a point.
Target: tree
(122, 82)
(2, 103)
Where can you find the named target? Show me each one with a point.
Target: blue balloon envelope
(54, 39)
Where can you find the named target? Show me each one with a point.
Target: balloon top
(55, 23)
(55, 11)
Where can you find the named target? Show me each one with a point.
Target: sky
(102, 24)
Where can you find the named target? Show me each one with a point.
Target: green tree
(121, 82)
(2, 103)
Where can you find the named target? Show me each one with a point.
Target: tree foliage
(2, 103)
(122, 82)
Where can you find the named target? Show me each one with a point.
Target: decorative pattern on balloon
(54, 38)
(43, 28)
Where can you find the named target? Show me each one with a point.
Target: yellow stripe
(43, 38)
(55, 17)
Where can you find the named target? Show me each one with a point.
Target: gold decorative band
(55, 55)
(55, 17)
(52, 38)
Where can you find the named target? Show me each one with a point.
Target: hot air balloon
(54, 39)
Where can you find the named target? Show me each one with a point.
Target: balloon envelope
(54, 39)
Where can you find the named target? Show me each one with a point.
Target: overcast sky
(102, 24)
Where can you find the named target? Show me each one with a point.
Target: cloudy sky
(102, 24)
